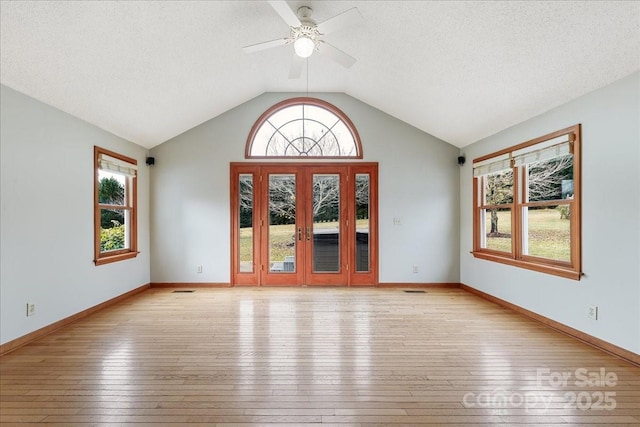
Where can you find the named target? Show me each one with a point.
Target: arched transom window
(303, 127)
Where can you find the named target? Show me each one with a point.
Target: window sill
(115, 258)
(555, 270)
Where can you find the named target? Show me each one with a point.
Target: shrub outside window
(527, 204)
(115, 216)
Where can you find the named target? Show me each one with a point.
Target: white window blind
(116, 165)
(492, 165)
(547, 150)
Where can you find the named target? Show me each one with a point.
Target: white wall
(418, 179)
(610, 120)
(47, 217)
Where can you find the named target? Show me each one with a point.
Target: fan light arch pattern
(304, 127)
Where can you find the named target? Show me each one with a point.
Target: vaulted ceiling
(150, 70)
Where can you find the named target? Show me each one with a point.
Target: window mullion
(127, 189)
(519, 218)
(118, 207)
(477, 218)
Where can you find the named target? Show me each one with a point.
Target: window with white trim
(527, 204)
(115, 215)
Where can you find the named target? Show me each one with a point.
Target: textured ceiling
(150, 70)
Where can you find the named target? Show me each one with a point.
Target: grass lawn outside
(282, 241)
(548, 235)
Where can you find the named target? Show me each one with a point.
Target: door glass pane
(246, 223)
(362, 223)
(326, 223)
(282, 223)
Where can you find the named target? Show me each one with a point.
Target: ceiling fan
(306, 35)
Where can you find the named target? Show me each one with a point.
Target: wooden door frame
(254, 278)
(274, 278)
(371, 277)
(327, 278)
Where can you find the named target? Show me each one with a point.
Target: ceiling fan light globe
(304, 47)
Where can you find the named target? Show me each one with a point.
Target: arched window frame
(292, 102)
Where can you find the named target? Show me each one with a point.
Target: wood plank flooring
(300, 356)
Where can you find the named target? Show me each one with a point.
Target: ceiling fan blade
(285, 12)
(264, 45)
(336, 54)
(350, 17)
(296, 67)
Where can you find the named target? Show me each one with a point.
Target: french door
(311, 224)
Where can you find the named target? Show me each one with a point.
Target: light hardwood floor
(301, 356)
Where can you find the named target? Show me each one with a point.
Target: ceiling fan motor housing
(307, 28)
(304, 14)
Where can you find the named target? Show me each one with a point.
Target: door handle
(308, 233)
(299, 233)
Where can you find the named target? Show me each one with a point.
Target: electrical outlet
(397, 221)
(31, 309)
(199, 269)
(415, 268)
(592, 312)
